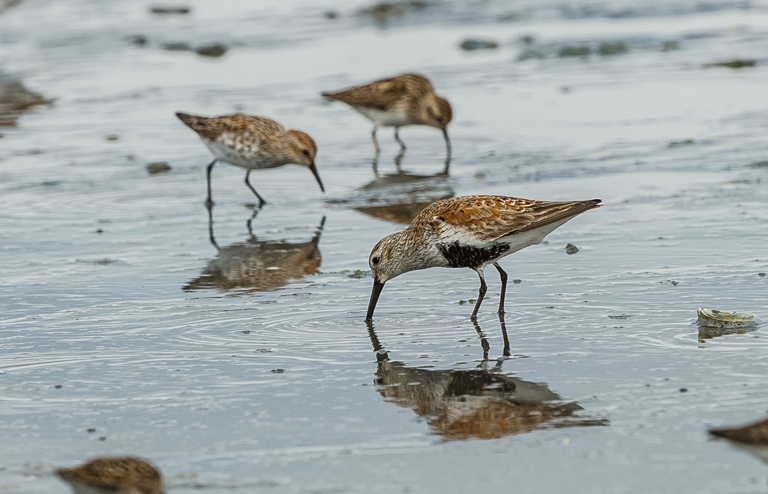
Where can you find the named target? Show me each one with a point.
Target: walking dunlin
(252, 143)
(468, 232)
(116, 475)
(407, 99)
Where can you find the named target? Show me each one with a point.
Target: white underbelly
(396, 118)
(250, 159)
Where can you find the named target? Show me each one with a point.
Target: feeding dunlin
(252, 143)
(468, 232)
(407, 99)
(116, 475)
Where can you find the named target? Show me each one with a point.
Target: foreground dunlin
(252, 143)
(468, 232)
(115, 475)
(407, 99)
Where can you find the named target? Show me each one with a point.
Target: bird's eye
(376, 260)
(305, 152)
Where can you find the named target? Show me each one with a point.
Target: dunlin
(753, 434)
(115, 475)
(252, 143)
(407, 99)
(468, 232)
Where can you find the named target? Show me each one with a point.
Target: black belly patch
(465, 256)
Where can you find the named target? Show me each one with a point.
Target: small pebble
(99, 231)
(331, 14)
(58, 386)
(103, 438)
(670, 45)
(212, 50)
(478, 44)
(139, 40)
(517, 282)
(91, 431)
(169, 9)
(738, 63)
(761, 275)
(112, 137)
(277, 371)
(571, 249)
(158, 167)
(683, 390)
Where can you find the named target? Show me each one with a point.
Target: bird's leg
(262, 202)
(208, 169)
(481, 294)
(504, 334)
(447, 148)
(210, 229)
(375, 141)
(483, 340)
(397, 138)
(503, 275)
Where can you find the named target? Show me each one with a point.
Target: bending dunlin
(115, 475)
(407, 99)
(252, 143)
(468, 232)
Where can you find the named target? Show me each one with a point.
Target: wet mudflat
(244, 364)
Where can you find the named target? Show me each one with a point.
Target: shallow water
(228, 375)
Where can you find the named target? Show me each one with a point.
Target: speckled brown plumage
(252, 143)
(469, 232)
(122, 475)
(407, 99)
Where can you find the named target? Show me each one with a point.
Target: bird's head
(302, 151)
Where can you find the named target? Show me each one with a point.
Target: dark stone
(571, 249)
(158, 167)
(212, 50)
(478, 44)
(170, 9)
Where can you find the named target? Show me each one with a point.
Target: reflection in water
(400, 196)
(15, 99)
(706, 333)
(481, 403)
(752, 438)
(258, 265)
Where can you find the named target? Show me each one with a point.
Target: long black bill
(447, 142)
(317, 176)
(377, 287)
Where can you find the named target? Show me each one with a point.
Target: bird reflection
(258, 265)
(752, 438)
(478, 403)
(15, 99)
(400, 196)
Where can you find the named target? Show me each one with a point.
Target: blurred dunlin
(115, 475)
(407, 99)
(753, 434)
(468, 232)
(253, 143)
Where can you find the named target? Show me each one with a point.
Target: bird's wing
(481, 219)
(384, 94)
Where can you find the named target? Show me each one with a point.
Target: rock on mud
(158, 167)
(386, 11)
(478, 44)
(613, 48)
(212, 50)
(170, 9)
(574, 51)
(16, 99)
(736, 63)
(571, 249)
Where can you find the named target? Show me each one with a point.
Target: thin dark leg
(250, 220)
(262, 202)
(503, 275)
(397, 138)
(483, 289)
(483, 340)
(375, 141)
(209, 201)
(504, 334)
(210, 229)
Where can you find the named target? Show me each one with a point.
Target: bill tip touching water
(468, 232)
(253, 143)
